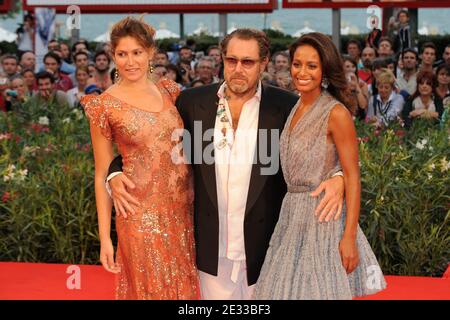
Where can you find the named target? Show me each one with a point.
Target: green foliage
(48, 214)
(8, 47)
(405, 209)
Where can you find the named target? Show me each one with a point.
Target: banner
(45, 31)
(337, 4)
(156, 6)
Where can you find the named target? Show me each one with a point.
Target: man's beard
(367, 64)
(238, 88)
(408, 68)
(102, 70)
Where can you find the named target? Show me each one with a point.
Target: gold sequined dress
(155, 248)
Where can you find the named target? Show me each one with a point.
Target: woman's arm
(343, 133)
(362, 94)
(103, 155)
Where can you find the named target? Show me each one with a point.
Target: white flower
(66, 120)
(30, 150)
(22, 174)
(430, 176)
(44, 121)
(445, 165)
(78, 114)
(432, 166)
(397, 179)
(9, 173)
(421, 144)
(19, 175)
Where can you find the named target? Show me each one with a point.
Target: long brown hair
(332, 65)
(425, 76)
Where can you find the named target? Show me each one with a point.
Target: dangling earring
(324, 83)
(116, 76)
(150, 69)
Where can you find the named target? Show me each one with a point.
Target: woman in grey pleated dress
(309, 259)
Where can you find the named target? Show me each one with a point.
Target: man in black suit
(236, 203)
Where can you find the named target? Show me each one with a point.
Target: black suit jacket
(265, 194)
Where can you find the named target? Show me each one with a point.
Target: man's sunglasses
(246, 63)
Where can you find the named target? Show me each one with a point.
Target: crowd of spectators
(388, 78)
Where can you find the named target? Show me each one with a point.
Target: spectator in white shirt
(25, 35)
(407, 80)
(424, 103)
(387, 104)
(74, 95)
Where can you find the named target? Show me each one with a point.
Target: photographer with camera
(25, 35)
(186, 72)
(16, 94)
(359, 93)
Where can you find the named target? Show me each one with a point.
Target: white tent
(304, 30)
(103, 37)
(345, 30)
(276, 25)
(165, 33)
(6, 35)
(201, 29)
(423, 31)
(232, 28)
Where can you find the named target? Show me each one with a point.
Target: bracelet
(339, 173)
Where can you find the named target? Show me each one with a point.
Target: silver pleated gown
(303, 259)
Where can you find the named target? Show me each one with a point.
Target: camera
(21, 28)
(11, 93)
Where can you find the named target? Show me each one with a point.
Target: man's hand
(123, 201)
(332, 202)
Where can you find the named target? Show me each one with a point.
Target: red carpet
(37, 281)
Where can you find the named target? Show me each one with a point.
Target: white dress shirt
(233, 166)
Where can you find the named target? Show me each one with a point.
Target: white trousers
(229, 284)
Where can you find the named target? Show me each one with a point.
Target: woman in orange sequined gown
(155, 256)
